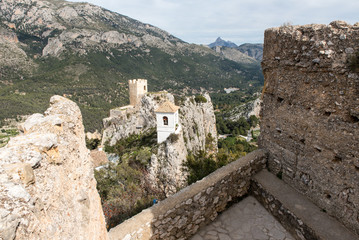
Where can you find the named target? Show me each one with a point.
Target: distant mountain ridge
(222, 43)
(254, 50)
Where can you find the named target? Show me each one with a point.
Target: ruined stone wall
(310, 114)
(181, 215)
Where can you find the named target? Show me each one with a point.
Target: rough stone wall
(310, 114)
(181, 215)
(47, 187)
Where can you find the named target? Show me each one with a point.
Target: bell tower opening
(165, 120)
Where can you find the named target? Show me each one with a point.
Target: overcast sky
(239, 21)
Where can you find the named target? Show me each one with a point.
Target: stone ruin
(310, 114)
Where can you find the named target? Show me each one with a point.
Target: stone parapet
(181, 215)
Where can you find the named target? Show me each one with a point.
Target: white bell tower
(167, 121)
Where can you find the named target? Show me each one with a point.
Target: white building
(167, 121)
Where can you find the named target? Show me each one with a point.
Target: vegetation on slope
(98, 81)
(200, 164)
(123, 189)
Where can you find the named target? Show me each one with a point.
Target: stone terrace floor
(245, 220)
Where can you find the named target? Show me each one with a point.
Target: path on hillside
(245, 220)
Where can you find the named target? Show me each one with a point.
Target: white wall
(163, 131)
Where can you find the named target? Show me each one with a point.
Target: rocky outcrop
(222, 43)
(235, 55)
(310, 115)
(124, 121)
(253, 50)
(246, 110)
(198, 123)
(165, 171)
(47, 187)
(198, 132)
(12, 58)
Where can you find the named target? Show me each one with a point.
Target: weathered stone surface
(198, 122)
(296, 213)
(310, 112)
(22, 171)
(47, 187)
(246, 110)
(244, 220)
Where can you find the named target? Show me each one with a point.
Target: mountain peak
(222, 43)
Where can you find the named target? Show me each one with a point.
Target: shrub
(198, 166)
(92, 143)
(173, 137)
(200, 99)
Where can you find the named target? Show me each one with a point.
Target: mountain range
(88, 54)
(254, 50)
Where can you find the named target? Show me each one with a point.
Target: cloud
(239, 21)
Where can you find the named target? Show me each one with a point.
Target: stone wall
(181, 215)
(310, 114)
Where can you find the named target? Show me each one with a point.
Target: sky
(238, 21)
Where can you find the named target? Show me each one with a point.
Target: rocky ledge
(47, 187)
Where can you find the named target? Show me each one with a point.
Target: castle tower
(167, 121)
(137, 88)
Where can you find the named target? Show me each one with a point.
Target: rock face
(166, 168)
(252, 50)
(246, 110)
(310, 116)
(222, 43)
(234, 55)
(47, 187)
(198, 125)
(133, 119)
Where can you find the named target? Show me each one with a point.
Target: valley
(88, 53)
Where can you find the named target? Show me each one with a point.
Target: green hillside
(95, 61)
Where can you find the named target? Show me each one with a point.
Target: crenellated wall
(180, 215)
(310, 114)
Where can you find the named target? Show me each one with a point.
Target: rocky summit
(88, 53)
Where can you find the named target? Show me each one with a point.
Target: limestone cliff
(198, 127)
(198, 123)
(246, 110)
(310, 116)
(47, 187)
